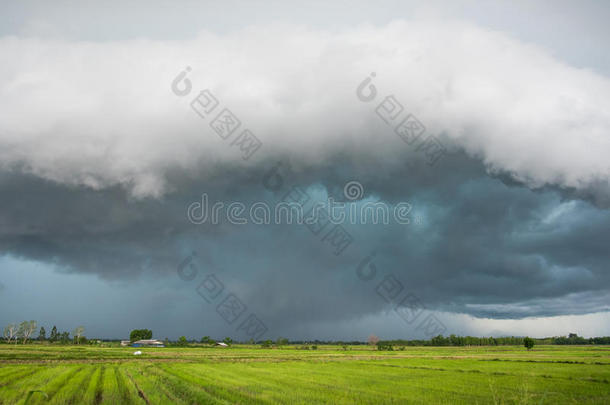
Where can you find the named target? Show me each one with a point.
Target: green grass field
(250, 375)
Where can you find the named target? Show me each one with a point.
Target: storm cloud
(100, 159)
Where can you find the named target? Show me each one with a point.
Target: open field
(251, 375)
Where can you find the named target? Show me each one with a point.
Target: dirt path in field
(317, 359)
(140, 392)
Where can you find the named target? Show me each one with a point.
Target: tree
(138, 334)
(182, 341)
(54, 336)
(10, 332)
(528, 342)
(206, 340)
(266, 344)
(64, 338)
(384, 346)
(42, 335)
(373, 340)
(77, 333)
(228, 341)
(26, 328)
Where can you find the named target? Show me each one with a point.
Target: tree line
(25, 331)
(453, 340)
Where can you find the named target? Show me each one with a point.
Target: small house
(148, 343)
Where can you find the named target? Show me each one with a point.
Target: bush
(80, 341)
(384, 346)
(528, 342)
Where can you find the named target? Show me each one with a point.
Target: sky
(481, 128)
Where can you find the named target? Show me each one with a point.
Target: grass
(36, 374)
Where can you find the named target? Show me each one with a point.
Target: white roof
(221, 344)
(149, 342)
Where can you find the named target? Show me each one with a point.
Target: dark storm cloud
(483, 247)
(99, 161)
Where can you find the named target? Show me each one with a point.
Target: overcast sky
(102, 154)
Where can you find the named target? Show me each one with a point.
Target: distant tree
(10, 332)
(228, 340)
(64, 338)
(77, 333)
(54, 336)
(21, 330)
(373, 340)
(384, 346)
(206, 340)
(439, 341)
(182, 341)
(138, 334)
(26, 329)
(281, 341)
(267, 344)
(528, 342)
(42, 335)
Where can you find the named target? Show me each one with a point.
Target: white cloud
(100, 114)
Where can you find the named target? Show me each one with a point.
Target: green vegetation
(138, 334)
(528, 342)
(249, 374)
(453, 340)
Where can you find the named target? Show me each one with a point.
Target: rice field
(37, 374)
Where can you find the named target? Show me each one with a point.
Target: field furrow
(250, 375)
